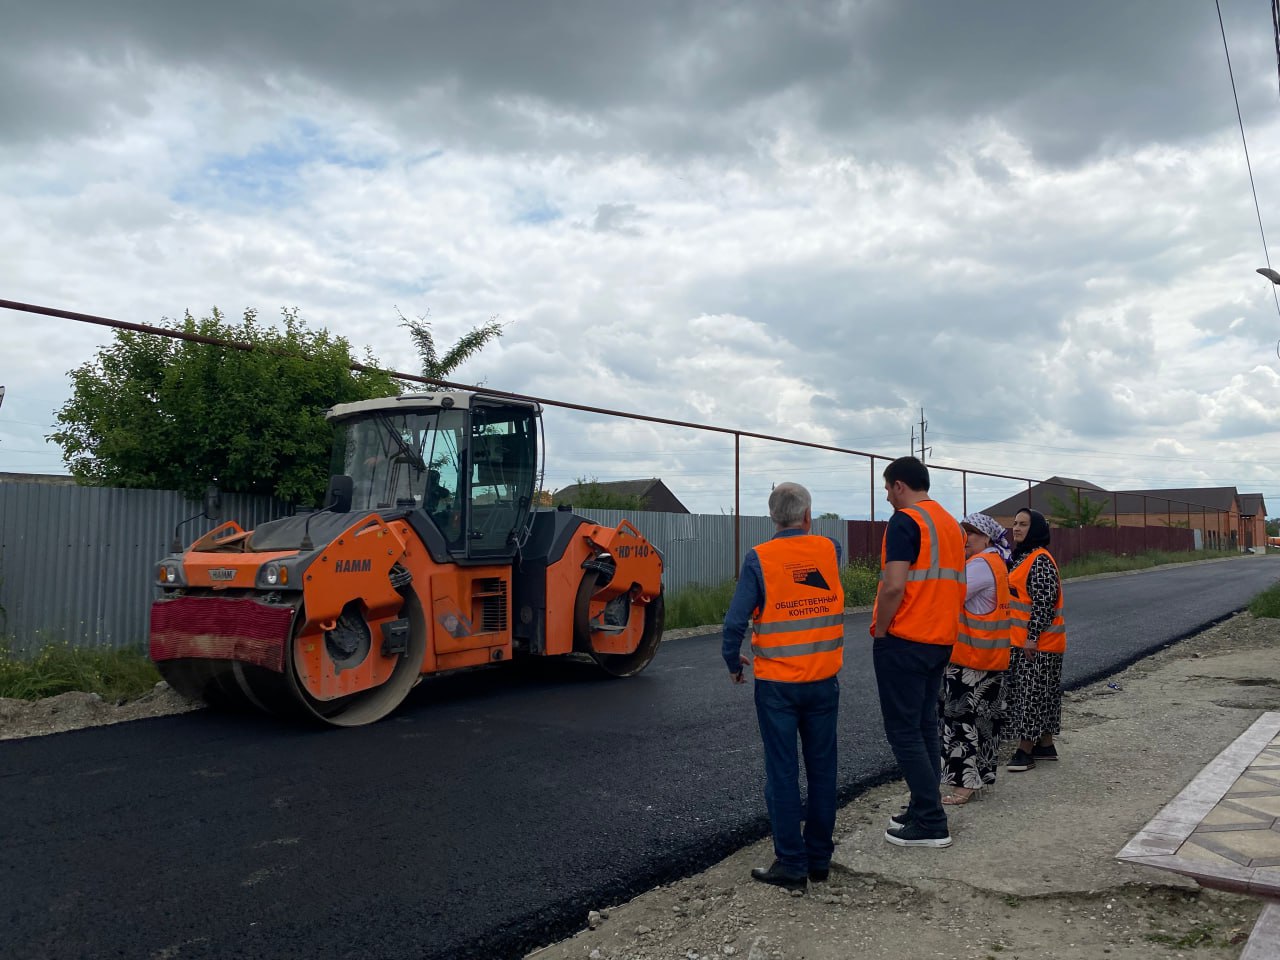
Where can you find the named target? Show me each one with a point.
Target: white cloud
(808, 221)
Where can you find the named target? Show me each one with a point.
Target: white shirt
(980, 585)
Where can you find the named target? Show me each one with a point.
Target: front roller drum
(233, 685)
(371, 705)
(617, 664)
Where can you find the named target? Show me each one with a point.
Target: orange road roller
(428, 556)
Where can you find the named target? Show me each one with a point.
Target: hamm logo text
(353, 566)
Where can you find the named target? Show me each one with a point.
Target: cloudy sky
(808, 220)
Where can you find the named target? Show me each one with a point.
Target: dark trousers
(807, 711)
(908, 676)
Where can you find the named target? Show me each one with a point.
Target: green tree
(157, 412)
(1273, 527)
(469, 344)
(590, 495)
(828, 516)
(1077, 511)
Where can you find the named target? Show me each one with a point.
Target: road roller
(429, 555)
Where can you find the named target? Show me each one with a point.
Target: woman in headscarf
(971, 694)
(1039, 636)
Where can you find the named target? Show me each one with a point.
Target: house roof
(1038, 497)
(52, 479)
(1215, 498)
(625, 488)
(1252, 505)
(1123, 502)
(653, 493)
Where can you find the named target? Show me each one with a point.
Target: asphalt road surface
(483, 819)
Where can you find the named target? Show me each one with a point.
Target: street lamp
(1274, 277)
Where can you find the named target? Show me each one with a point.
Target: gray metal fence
(697, 549)
(77, 563)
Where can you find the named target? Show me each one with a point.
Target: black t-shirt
(902, 538)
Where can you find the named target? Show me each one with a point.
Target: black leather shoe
(779, 876)
(819, 874)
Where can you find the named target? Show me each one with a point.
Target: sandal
(958, 799)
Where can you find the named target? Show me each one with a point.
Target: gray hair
(788, 503)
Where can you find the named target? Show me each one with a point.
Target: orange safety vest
(983, 640)
(799, 634)
(1053, 638)
(934, 595)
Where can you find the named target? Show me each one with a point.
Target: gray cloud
(671, 76)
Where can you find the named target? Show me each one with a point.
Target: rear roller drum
(617, 664)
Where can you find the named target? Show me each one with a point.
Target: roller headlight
(274, 575)
(168, 575)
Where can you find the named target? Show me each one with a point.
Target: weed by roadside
(860, 577)
(698, 606)
(1267, 603)
(115, 675)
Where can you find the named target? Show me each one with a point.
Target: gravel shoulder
(75, 711)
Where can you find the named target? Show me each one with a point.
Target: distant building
(1042, 496)
(1224, 517)
(653, 493)
(1253, 518)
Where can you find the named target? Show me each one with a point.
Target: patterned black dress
(969, 718)
(1034, 687)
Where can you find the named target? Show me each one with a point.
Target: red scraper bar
(213, 628)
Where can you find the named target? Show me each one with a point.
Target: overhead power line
(1244, 140)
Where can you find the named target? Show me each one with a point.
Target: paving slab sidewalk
(1032, 872)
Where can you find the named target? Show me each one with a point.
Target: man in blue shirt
(798, 644)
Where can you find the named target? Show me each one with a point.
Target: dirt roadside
(1032, 873)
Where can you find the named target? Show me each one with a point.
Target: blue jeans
(908, 676)
(808, 711)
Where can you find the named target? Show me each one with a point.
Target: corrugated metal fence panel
(698, 548)
(76, 563)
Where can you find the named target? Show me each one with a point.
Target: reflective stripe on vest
(1053, 638)
(799, 634)
(983, 639)
(934, 592)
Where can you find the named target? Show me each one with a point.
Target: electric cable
(1248, 165)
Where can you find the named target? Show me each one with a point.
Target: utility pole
(924, 424)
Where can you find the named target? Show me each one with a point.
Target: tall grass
(1092, 563)
(1267, 603)
(115, 675)
(699, 606)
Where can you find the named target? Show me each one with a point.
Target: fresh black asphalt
(486, 817)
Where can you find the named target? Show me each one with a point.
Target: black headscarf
(1037, 536)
